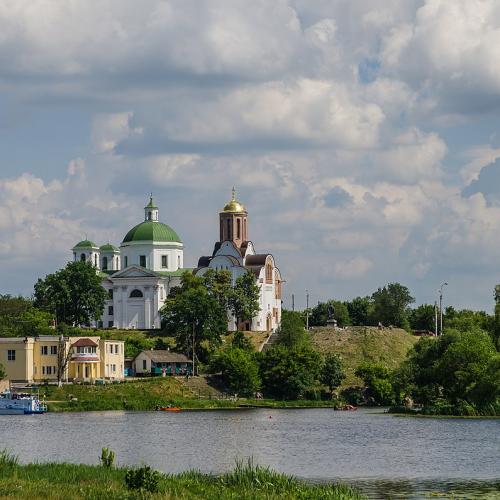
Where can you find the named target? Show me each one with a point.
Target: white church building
(139, 275)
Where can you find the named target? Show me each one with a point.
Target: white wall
(153, 252)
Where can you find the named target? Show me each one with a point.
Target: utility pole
(293, 302)
(194, 354)
(435, 318)
(441, 306)
(307, 310)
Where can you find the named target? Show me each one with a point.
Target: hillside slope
(358, 344)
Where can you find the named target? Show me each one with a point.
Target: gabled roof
(84, 343)
(163, 356)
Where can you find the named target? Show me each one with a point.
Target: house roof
(163, 356)
(84, 343)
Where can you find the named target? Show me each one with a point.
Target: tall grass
(8, 459)
(247, 481)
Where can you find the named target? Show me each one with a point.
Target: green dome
(86, 244)
(152, 231)
(108, 248)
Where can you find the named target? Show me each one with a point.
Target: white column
(147, 307)
(124, 307)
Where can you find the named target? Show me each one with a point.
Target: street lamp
(441, 306)
(307, 310)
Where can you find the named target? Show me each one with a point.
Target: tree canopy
(390, 305)
(74, 294)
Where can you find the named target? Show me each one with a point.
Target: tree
(291, 332)
(360, 310)
(238, 368)
(376, 378)
(332, 373)
(319, 314)
(456, 367)
(18, 318)
(63, 357)
(3, 374)
(422, 318)
(74, 294)
(390, 305)
(195, 309)
(289, 373)
(244, 298)
(241, 342)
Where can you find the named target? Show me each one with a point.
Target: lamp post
(441, 307)
(436, 318)
(307, 310)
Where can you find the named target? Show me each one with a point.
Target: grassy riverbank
(68, 481)
(144, 395)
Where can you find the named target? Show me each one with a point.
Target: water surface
(386, 456)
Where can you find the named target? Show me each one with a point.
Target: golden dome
(234, 206)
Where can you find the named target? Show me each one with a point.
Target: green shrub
(143, 478)
(107, 458)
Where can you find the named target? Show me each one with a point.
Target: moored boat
(12, 403)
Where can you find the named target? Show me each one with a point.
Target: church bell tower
(233, 222)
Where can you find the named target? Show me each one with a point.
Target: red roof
(84, 343)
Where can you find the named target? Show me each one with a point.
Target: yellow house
(36, 359)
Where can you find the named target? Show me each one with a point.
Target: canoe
(166, 408)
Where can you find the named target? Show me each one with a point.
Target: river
(386, 456)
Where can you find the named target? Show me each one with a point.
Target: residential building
(36, 359)
(160, 362)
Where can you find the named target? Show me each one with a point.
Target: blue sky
(363, 137)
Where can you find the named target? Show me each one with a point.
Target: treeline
(391, 306)
(291, 369)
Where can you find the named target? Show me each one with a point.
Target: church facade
(235, 253)
(139, 275)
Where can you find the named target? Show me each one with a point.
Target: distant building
(161, 362)
(35, 359)
(139, 275)
(236, 253)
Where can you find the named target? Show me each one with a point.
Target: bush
(353, 395)
(107, 458)
(143, 479)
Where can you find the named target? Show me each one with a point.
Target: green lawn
(144, 394)
(67, 481)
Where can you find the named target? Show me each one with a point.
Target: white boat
(12, 403)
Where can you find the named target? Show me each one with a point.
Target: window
(95, 260)
(110, 324)
(110, 294)
(44, 350)
(43, 370)
(116, 348)
(136, 294)
(11, 355)
(104, 263)
(48, 370)
(86, 350)
(149, 215)
(110, 310)
(142, 260)
(238, 228)
(144, 364)
(164, 261)
(228, 224)
(113, 368)
(269, 272)
(74, 256)
(178, 261)
(126, 261)
(53, 349)
(82, 257)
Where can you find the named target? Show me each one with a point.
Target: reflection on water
(416, 489)
(387, 457)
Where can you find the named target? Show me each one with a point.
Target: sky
(362, 137)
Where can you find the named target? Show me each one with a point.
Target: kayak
(167, 408)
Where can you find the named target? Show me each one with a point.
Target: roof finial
(234, 194)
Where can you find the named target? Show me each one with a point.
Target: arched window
(136, 294)
(104, 263)
(238, 228)
(228, 235)
(82, 257)
(269, 272)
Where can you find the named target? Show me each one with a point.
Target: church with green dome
(139, 275)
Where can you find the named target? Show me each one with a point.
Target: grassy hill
(358, 344)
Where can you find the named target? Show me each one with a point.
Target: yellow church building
(36, 359)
